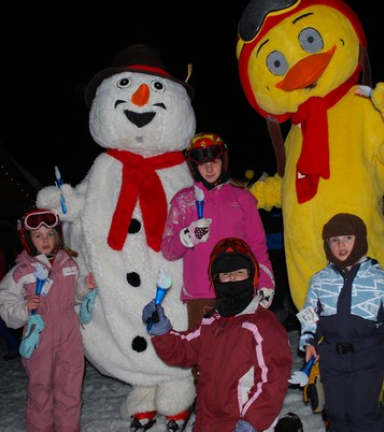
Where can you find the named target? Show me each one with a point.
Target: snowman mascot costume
(115, 219)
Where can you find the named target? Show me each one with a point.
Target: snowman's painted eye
(277, 63)
(124, 83)
(158, 86)
(311, 40)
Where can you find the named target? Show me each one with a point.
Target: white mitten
(50, 198)
(376, 94)
(197, 232)
(266, 295)
(363, 90)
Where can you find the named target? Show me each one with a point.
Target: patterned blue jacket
(367, 299)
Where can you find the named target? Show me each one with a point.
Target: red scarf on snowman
(140, 181)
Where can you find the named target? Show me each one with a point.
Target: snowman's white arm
(50, 197)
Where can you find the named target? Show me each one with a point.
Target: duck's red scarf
(141, 182)
(313, 162)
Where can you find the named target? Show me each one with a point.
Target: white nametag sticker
(68, 271)
(307, 316)
(46, 287)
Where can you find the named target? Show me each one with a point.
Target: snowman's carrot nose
(141, 95)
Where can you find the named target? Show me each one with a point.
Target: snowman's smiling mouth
(139, 119)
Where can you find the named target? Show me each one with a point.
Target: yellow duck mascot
(301, 60)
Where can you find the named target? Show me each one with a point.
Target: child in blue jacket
(342, 323)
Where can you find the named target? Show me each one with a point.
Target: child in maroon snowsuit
(241, 350)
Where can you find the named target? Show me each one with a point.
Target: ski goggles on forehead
(207, 154)
(34, 221)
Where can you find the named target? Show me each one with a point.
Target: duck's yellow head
(291, 50)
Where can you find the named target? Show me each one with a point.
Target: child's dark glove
(154, 317)
(244, 426)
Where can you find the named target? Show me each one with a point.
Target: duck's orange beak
(306, 71)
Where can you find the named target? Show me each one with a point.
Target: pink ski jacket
(56, 367)
(234, 213)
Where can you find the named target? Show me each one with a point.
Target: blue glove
(154, 315)
(244, 426)
(86, 308)
(31, 336)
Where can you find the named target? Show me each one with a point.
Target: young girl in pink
(55, 368)
(228, 211)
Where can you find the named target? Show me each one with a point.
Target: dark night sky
(48, 55)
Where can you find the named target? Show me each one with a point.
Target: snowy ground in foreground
(102, 397)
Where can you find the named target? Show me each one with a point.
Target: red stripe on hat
(152, 69)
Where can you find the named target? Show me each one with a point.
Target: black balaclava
(346, 224)
(233, 297)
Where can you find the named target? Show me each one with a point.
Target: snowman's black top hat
(142, 58)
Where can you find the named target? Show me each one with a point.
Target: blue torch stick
(199, 194)
(59, 183)
(301, 377)
(41, 275)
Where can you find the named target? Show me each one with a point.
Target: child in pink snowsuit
(56, 367)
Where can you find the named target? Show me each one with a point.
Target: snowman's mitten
(50, 197)
(31, 338)
(157, 322)
(197, 232)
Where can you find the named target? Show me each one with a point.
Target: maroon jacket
(244, 364)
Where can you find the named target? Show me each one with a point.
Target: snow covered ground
(102, 397)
